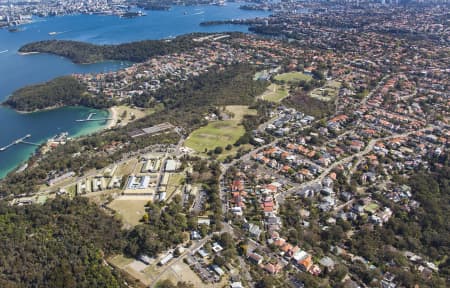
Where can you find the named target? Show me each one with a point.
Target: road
(179, 258)
(364, 101)
(280, 197)
(223, 191)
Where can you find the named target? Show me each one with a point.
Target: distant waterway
(17, 70)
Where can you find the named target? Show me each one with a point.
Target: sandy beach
(114, 117)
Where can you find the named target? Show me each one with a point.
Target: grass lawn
(327, 92)
(239, 111)
(371, 207)
(174, 184)
(131, 211)
(220, 133)
(182, 272)
(233, 151)
(71, 190)
(128, 266)
(120, 261)
(275, 93)
(293, 77)
(126, 168)
(128, 114)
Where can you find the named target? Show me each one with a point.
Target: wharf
(18, 141)
(89, 118)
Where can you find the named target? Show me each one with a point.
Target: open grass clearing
(174, 185)
(132, 267)
(120, 261)
(239, 111)
(328, 92)
(293, 77)
(130, 211)
(219, 133)
(127, 114)
(176, 179)
(233, 151)
(275, 93)
(371, 208)
(181, 272)
(126, 168)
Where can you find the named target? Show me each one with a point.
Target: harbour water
(17, 70)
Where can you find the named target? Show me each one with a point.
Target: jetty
(19, 141)
(89, 118)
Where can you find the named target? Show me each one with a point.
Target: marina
(89, 118)
(18, 141)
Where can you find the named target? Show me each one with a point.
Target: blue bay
(17, 70)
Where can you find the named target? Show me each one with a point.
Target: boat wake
(57, 33)
(4, 51)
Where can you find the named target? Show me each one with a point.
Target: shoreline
(114, 116)
(28, 53)
(36, 110)
(83, 132)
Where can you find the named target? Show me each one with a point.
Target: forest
(86, 53)
(59, 244)
(61, 91)
(162, 229)
(425, 230)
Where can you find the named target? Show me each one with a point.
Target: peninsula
(321, 160)
(86, 53)
(61, 91)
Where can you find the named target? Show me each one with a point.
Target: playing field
(219, 133)
(293, 77)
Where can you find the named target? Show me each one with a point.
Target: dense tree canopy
(80, 52)
(62, 91)
(59, 244)
(164, 229)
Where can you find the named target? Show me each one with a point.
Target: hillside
(61, 91)
(80, 52)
